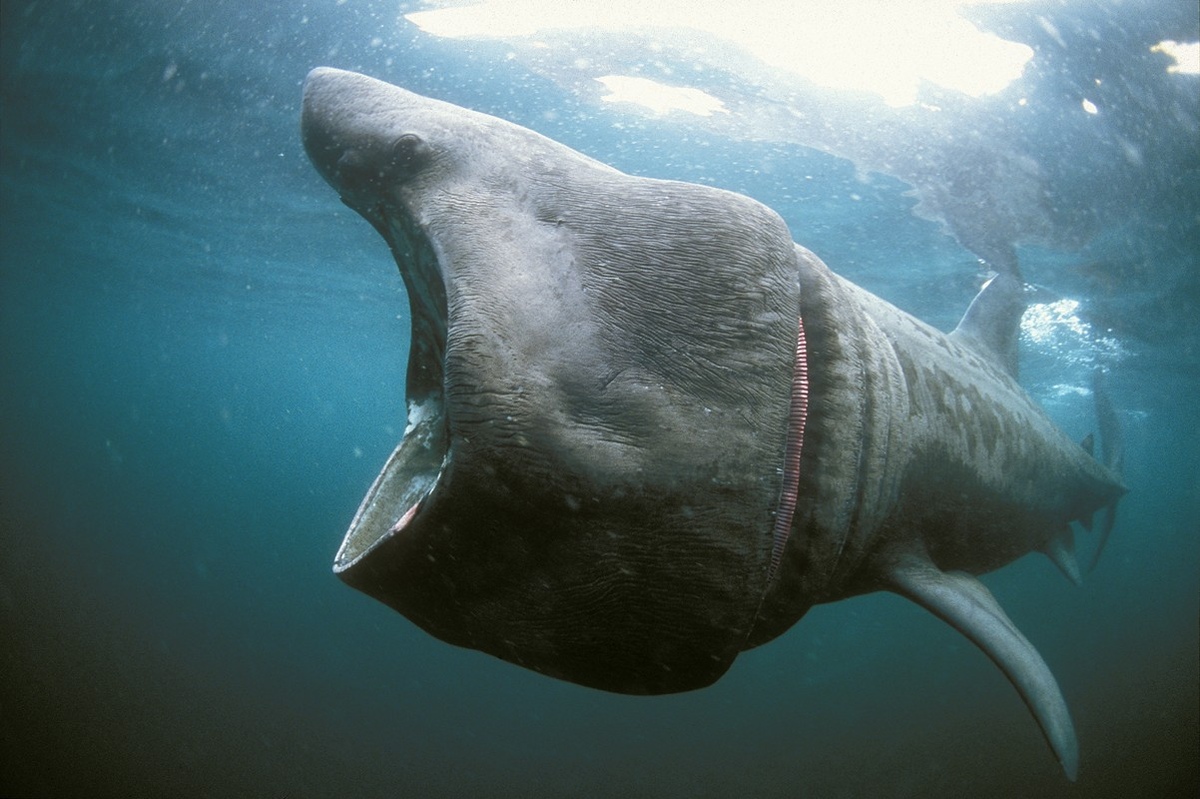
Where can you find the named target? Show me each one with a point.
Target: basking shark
(647, 431)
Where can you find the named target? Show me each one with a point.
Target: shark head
(597, 394)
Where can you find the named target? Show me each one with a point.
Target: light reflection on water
(1057, 328)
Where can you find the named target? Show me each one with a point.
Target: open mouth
(414, 468)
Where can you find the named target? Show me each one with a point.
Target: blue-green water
(201, 370)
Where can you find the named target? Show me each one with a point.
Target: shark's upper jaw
(424, 282)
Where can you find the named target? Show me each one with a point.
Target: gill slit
(797, 416)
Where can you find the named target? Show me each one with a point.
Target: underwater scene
(205, 363)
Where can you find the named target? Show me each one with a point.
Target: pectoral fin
(965, 603)
(1061, 549)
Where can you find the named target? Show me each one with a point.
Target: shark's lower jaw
(415, 467)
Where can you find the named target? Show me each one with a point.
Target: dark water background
(201, 370)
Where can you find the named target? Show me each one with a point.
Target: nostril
(350, 163)
(360, 174)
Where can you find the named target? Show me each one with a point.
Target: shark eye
(409, 152)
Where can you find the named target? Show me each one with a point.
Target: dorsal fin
(992, 323)
(964, 603)
(1089, 444)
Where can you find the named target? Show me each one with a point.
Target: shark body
(647, 431)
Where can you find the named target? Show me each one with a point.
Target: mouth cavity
(413, 470)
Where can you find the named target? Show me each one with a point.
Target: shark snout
(358, 149)
(321, 125)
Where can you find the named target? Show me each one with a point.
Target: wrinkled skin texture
(615, 380)
(600, 388)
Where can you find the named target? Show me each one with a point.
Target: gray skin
(600, 394)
